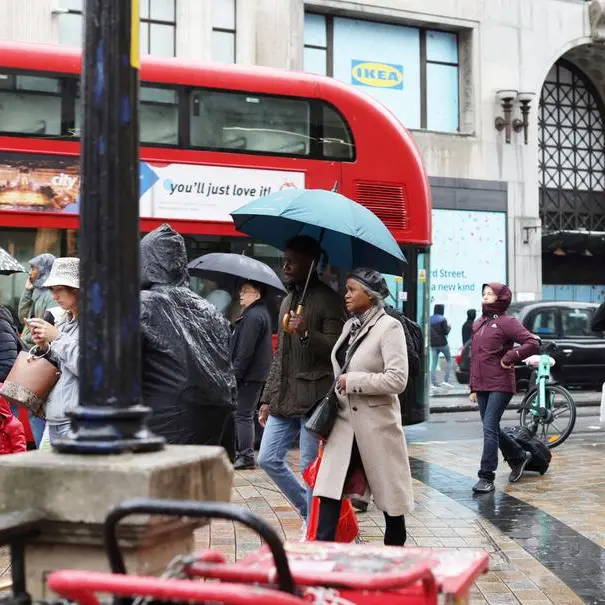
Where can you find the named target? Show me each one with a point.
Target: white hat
(65, 272)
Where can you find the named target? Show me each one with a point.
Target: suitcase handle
(191, 508)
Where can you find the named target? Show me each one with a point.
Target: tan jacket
(370, 413)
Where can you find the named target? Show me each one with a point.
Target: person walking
(63, 341)
(467, 326)
(9, 342)
(36, 300)
(492, 380)
(301, 371)
(367, 446)
(439, 345)
(251, 353)
(186, 375)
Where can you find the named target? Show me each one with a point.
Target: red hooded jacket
(493, 340)
(12, 433)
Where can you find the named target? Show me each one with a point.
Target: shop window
(30, 105)
(157, 32)
(413, 71)
(223, 31)
(241, 122)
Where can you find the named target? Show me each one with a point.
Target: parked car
(580, 356)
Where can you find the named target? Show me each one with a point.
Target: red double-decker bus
(212, 138)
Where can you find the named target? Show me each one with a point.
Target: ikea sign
(376, 75)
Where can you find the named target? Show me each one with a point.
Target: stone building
(505, 99)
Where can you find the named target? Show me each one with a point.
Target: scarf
(359, 320)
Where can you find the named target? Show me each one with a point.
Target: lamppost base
(109, 430)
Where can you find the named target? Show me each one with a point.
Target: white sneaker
(447, 385)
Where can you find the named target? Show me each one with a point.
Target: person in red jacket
(12, 433)
(493, 383)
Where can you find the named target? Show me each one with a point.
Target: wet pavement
(545, 535)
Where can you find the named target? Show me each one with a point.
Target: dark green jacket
(302, 372)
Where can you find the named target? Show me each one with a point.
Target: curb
(467, 407)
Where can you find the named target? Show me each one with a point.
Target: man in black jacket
(251, 351)
(9, 343)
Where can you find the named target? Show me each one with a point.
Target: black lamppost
(110, 418)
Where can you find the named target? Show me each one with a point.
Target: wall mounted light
(525, 99)
(507, 99)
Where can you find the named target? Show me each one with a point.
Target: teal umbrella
(350, 234)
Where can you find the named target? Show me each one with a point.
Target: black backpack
(540, 454)
(413, 338)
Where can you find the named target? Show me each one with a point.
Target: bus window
(30, 105)
(159, 116)
(337, 143)
(248, 122)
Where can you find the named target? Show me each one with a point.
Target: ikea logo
(377, 75)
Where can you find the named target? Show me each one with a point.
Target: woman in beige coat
(367, 436)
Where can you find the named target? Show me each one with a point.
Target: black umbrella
(9, 264)
(218, 264)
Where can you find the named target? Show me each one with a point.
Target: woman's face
(247, 295)
(489, 296)
(356, 298)
(66, 298)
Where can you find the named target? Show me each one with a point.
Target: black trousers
(329, 511)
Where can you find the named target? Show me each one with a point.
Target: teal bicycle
(548, 409)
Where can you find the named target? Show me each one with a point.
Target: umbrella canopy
(350, 234)
(217, 264)
(9, 264)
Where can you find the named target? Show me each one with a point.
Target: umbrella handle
(286, 320)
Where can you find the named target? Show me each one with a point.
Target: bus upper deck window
(30, 105)
(336, 139)
(159, 116)
(232, 121)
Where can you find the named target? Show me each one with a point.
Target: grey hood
(44, 263)
(163, 259)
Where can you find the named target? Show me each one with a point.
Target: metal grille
(571, 150)
(387, 201)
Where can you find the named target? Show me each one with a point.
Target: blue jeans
(445, 351)
(56, 431)
(278, 436)
(37, 424)
(491, 407)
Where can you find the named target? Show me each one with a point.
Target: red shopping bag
(348, 527)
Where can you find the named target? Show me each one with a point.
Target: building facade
(505, 99)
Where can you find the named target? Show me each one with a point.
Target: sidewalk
(456, 400)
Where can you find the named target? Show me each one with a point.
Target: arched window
(571, 152)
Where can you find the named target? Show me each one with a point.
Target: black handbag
(322, 415)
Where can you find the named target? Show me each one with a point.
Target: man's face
(296, 267)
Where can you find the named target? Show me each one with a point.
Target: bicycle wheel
(553, 424)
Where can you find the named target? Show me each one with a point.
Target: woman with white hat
(61, 342)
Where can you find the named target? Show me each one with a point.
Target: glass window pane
(76, 5)
(576, 322)
(38, 84)
(337, 142)
(223, 47)
(315, 61)
(162, 10)
(144, 9)
(442, 97)
(223, 14)
(544, 323)
(161, 40)
(26, 113)
(70, 29)
(441, 46)
(144, 38)
(230, 121)
(315, 30)
(158, 115)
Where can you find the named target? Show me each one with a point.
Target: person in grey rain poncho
(187, 378)
(36, 300)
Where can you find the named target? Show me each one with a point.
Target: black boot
(395, 533)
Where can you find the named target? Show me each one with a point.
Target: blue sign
(376, 75)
